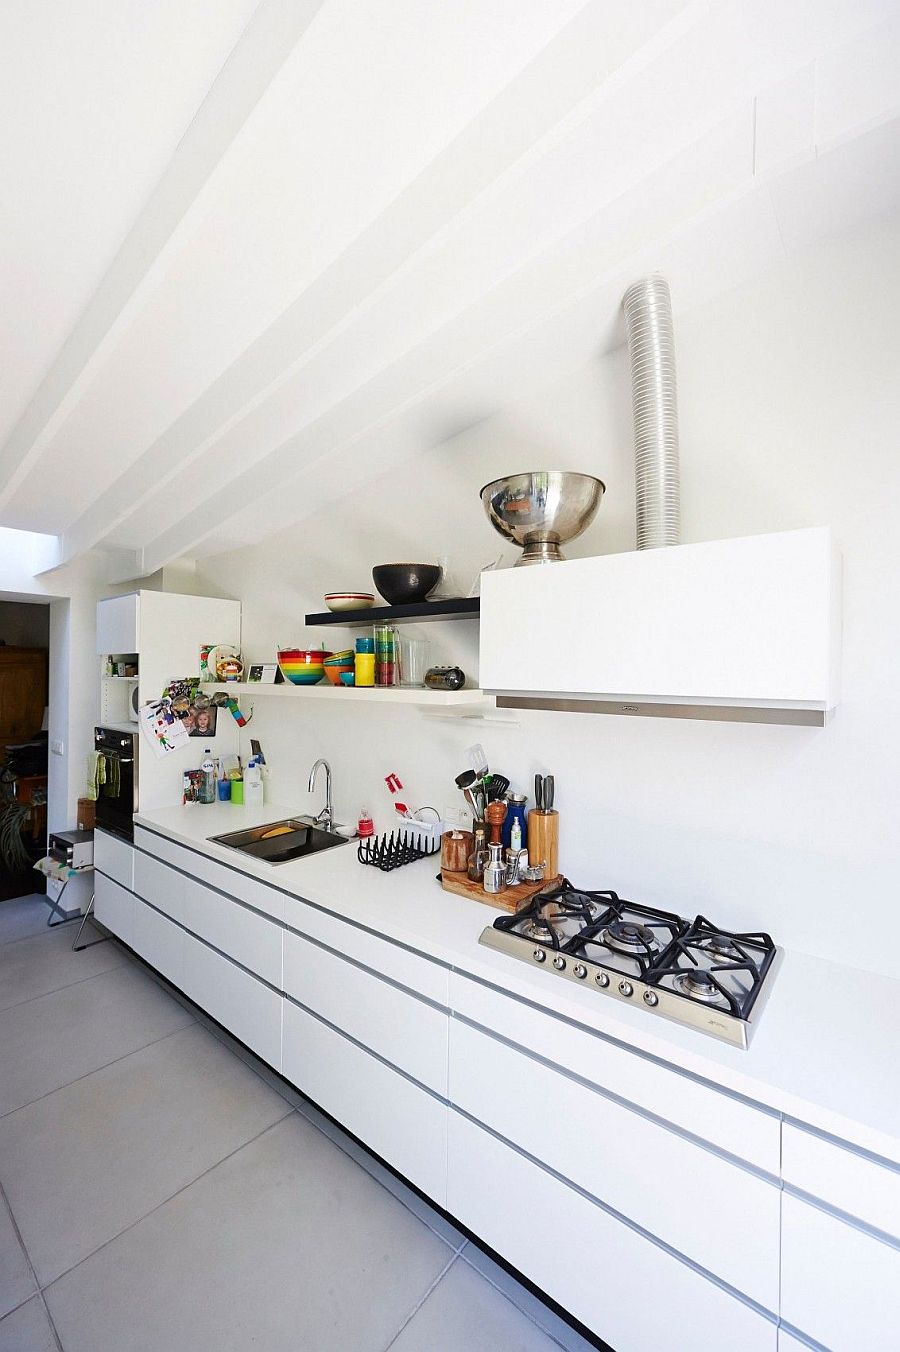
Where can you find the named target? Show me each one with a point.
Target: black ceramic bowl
(403, 583)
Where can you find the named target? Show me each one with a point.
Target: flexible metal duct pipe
(651, 346)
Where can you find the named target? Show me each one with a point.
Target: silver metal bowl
(542, 511)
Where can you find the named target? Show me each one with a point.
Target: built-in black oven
(117, 796)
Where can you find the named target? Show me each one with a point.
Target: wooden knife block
(543, 839)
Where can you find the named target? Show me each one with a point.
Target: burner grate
(689, 971)
(733, 955)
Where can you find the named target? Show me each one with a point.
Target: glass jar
(387, 644)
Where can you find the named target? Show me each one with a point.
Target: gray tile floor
(161, 1190)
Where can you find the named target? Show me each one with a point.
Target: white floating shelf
(350, 694)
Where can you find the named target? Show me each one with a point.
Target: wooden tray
(510, 900)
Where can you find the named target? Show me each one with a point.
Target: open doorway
(24, 722)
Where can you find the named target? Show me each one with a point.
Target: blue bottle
(515, 814)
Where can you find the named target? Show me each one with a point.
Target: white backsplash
(789, 410)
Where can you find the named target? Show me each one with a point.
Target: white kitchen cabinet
(842, 1178)
(166, 630)
(403, 1124)
(163, 887)
(405, 1031)
(839, 1285)
(114, 857)
(158, 941)
(788, 1343)
(246, 1007)
(118, 623)
(627, 1289)
(114, 908)
(652, 1175)
(745, 624)
(420, 974)
(252, 940)
(196, 865)
(715, 1116)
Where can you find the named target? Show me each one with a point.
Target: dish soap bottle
(254, 791)
(208, 778)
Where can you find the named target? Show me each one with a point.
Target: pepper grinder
(495, 815)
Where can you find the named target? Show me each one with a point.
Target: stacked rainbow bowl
(339, 665)
(303, 666)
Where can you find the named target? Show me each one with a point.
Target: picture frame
(264, 673)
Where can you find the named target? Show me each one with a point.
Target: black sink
(296, 838)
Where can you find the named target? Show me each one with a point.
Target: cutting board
(510, 900)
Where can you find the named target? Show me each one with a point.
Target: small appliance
(75, 849)
(117, 800)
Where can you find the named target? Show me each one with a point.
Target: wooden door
(23, 692)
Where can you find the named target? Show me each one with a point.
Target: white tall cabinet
(165, 630)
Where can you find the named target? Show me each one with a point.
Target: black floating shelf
(459, 608)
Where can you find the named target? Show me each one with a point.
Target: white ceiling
(257, 251)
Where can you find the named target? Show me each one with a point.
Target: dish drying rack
(388, 852)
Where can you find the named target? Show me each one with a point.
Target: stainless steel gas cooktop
(686, 970)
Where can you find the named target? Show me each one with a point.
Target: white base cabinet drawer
(251, 939)
(114, 908)
(114, 857)
(721, 1119)
(163, 887)
(400, 1122)
(225, 877)
(158, 941)
(839, 1285)
(418, 973)
(630, 1292)
(243, 1005)
(405, 1031)
(653, 1176)
(842, 1178)
(788, 1343)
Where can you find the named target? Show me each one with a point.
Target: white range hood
(745, 629)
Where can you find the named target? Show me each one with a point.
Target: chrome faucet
(326, 816)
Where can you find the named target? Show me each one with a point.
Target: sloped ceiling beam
(579, 61)
(267, 41)
(549, 282)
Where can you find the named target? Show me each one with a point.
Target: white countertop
(824, 1050)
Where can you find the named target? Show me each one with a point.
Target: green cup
(237, 790)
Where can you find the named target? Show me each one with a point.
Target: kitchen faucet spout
(326, 816)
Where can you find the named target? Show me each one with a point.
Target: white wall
(790, 406)
(71, 593)
(74, 697)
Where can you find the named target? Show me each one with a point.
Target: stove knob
(602, 979)
(626, 988)
(580, 970)
(559, 963)
(651, 998)
(539, 955)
